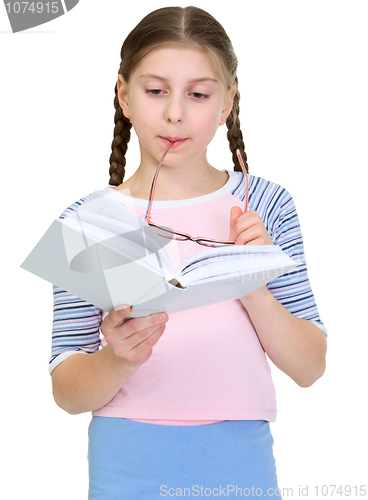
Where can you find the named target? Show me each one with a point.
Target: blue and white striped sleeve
(75, 328)
(292, 289)
(276, 207)
(76, 323)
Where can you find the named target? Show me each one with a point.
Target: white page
(102, 219)
(250, 260)
(237, 253)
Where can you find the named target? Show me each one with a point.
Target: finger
(136, 347)
(143, 351)
(244, 222)
(147, 337)
(255, 235)
(130, 333)
(116, 316)
(248, 220)
(137, 325)
(257, 241)
(235, 213)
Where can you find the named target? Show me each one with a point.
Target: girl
(181, 405)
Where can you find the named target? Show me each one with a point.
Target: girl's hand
(133, 339)
(248, 228)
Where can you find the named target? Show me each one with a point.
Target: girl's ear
(228, 105)
(123, 96)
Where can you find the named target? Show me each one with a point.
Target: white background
(303, 82)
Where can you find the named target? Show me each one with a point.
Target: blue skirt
(141, 461)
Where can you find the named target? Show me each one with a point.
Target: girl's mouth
(176, 141)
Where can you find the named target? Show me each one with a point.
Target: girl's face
(175, 94)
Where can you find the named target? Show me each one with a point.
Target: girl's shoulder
(72, 208)
(263, 195)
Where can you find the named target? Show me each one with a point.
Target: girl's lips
(176, 141)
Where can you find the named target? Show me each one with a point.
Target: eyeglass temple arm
(150, 200)
(245, 178)
(148, 212)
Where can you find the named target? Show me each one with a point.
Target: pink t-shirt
(209, 364)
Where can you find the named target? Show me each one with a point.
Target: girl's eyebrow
(162, 78)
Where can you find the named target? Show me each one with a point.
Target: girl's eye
(154, 91)
(199, 96)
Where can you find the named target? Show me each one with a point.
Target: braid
(119, 145)
(234, 134)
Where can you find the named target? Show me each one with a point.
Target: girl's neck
(175, 183)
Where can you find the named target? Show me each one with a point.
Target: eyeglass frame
(184, 236)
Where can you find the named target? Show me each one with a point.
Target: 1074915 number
(34, 7)
(334, 489)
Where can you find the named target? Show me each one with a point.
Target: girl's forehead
(177, 61)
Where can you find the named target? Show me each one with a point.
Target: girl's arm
(87, 382)
(296, 346)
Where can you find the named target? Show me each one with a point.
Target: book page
(118, 232)
(227, 262)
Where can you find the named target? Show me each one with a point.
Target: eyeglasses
(166, 232)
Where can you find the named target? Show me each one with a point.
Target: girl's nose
(174, 110)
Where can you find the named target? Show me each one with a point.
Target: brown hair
(189, 26)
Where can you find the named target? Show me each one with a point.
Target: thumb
(117, 315)
(235, 213)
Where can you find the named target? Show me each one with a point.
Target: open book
(105, 254)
